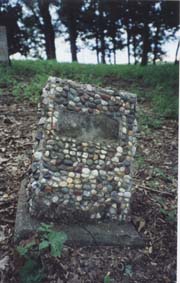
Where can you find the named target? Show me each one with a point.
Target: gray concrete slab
(101, 234)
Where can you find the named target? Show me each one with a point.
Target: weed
(128, 270)
(107, 278)
(170, 214)
(32, 270)
(140, 161)
(146, 121)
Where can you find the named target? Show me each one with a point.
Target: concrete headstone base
(102, 234)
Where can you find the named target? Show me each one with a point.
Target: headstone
(4, 58)
(82, 162)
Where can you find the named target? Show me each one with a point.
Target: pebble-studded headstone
(81, 173)
(83, 157)
(4, 58)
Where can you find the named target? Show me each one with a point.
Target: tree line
(104, 26)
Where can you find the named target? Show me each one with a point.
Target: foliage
(107, 278)
(52, 239)
(32, 271)
(128, 270)
(170, 213)
(11, 16)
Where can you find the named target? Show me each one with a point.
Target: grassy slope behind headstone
(156, 84)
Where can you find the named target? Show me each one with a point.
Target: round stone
(86, 187)
(69, 180)
(114, 194)
(55, 199)
(127, 194)
(112, 210)
(102, 172)
(65, 190)
(38, 155)
(78, 186)
(95, 157)
(70, 186)
(85, 155)
(89, 162)
(71, 174)
(46, 153)
(87, 193)
(95, 173)
(86, 171)
(124, 130)
(94, 192)
(98, 215)
(85, 144)
(119, 149)
(115, 159)
(105, 190)
(79, 198)
(62, 184)
(102, 156)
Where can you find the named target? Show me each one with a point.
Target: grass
(156, 84)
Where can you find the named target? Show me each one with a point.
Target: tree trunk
(73, 37)
(73, 46)
(128, 44)
(114, 50)
(102, 41)
(101, 34)
(145, 50)
(134, 49)
(177, 49)
(97, 50)
(156, 45)
(48, 29)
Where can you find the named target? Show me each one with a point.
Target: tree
(47, 28)
(10, 16)
(70, 16)
(38, 22)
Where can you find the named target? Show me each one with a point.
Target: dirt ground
(153, 207)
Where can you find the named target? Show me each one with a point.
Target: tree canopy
(140, 27)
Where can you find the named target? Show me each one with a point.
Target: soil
(153, 207)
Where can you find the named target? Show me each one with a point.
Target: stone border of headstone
(102, 234)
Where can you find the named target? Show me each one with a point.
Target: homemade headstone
(82, 162)
(4, 58)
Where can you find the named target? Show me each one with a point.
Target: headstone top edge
(92, 87)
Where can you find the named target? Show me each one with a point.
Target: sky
(87, 56)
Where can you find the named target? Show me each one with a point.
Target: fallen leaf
(4, 262)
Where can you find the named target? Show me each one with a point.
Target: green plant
(170, 215)
(107, 278)
(128, 270)
(159, 172)
(52, 239)
(46, 237)
(32, 272)
(140, 161)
